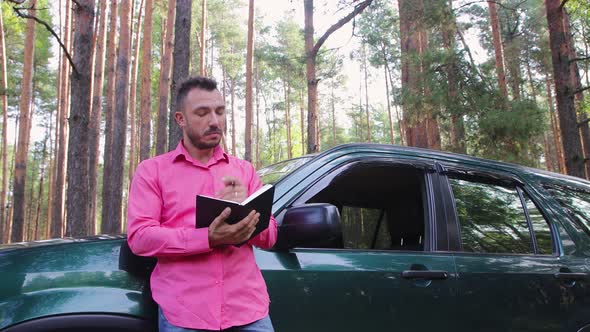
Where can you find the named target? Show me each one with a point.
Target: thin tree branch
(18, 12)
(583, 122)
(473, 65)
(581, 90)
(562, 4)
(580, 59)
(500, 4)
(357, 9)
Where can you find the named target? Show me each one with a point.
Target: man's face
(202, 118)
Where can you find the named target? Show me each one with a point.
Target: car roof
(453, 157)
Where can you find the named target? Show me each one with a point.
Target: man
(201, 280)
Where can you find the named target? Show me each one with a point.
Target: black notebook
(208, 208)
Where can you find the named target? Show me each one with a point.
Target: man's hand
(222, 233)
(234, 190)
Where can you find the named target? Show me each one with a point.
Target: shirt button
(217, 282)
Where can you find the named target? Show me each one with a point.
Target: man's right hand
(222, 233)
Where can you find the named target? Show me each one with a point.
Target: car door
(574, 261)
(506, 254)
(385, 273)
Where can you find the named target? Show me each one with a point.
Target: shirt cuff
(197, 240)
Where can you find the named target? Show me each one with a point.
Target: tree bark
(287, 89)
(311, 51)
(449, 28)
(22, 148)
(133, 96)
(57, 217)
(182, 61)
(112, 224)
(4, 97)
(257, 80)
(164, 87)
(412, 35)
(203, 41)
(366, 81)
(233, 115)
(555, 129)
(578, 97)
(497, 40)
(78, 152)
(146, 69)
(96, 115)
(249, 63)
(560, 51)
(109, 117)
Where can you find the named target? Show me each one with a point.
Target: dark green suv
(371, 238)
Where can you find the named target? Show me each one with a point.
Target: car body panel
(338, 289)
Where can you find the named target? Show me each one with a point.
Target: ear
(179, 117)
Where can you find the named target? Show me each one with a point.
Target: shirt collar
(218, 155)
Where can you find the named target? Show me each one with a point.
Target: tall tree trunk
(548, 154)
(233, 115)
(311, 51)
(389, 116)
(203, 41)
(39, 200)
(182, 61)
(287, 89)
(57, 216)
(578, 97)
(95, 115)
(411, 31)
(114, 213)
(146, 69)
(512, 58)
(560, 54)
(249, 63)
(133, 96)
(109, 115)
(497, 40)
(302, 118)
(164, 87)
(22, 148)
(333, 102)
(555, 129)
(78, 152)
(366, 81)
(4, 97)
(449, 28)
(258, 163)
(313, 143)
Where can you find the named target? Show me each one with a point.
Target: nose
(213, 120)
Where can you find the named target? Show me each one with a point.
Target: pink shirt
(196, 286)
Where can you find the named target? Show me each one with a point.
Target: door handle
(571, 276)
(425, 274)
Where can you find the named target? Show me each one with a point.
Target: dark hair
(196, 82)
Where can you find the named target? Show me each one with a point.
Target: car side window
(364, 228)
(577, 204)
(382, 206)
(491, 217)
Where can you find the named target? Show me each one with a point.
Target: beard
(197, 141)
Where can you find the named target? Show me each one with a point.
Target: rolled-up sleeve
(145, 233)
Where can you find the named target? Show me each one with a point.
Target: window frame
(498, 178)
(431, 198)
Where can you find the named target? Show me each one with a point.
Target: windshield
(273, 173)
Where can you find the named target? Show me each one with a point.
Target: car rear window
(576, 202)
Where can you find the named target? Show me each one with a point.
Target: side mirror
(314, 225)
